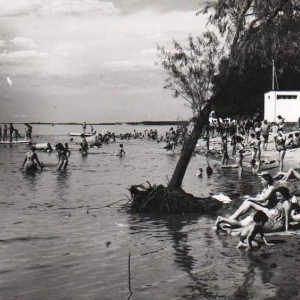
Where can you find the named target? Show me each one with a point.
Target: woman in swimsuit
(280, 148)
(63, 156)
(256, 152)
(32, 162)
(278, 216)
(267, 199)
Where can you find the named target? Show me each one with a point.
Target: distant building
(284, 103)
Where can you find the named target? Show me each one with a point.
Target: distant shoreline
(111, 123)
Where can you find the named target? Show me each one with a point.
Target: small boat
(15, 142)
(265, 165)
(79, 134)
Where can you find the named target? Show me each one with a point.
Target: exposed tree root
(165, 200)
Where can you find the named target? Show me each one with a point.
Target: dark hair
(260, 216)
(279, 117)
(32, 148)
(238, 138)
(59, 146)
(290, 135)
(268, 178)
(284, 191)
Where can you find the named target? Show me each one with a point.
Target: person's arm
(24, 162)
(264, 239)
(287, 210)
(35, 157)
(264, 197)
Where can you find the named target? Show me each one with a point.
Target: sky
(90, 60)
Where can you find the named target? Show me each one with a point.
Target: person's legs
(60, 164)
(246, 206)
(281, 157)
(232, 222)
(290, 174)
(65, 164)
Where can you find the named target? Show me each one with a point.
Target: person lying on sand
(285, 176)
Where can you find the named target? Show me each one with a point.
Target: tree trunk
(188, 148)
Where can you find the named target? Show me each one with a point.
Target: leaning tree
(191, 70)
(248, 32)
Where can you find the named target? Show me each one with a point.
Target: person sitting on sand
(279, 216)
(249, 232)
(199, 172)
(267, 198)
(31, 161)
(63, 156)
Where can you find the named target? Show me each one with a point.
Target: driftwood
(165, 200)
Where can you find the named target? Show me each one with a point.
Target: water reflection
(30, 178)
(62, 181)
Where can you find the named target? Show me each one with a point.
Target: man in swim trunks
(31, 160)
(265, 128)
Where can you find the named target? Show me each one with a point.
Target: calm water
(51, 248)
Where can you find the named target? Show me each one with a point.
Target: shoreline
(158, 123)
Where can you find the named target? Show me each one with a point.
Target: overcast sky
(90, 60)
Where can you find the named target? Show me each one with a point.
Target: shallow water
(60, 239)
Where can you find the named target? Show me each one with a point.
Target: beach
(62, 236)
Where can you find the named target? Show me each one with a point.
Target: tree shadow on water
(178, 229)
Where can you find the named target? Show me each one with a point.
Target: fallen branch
(105, 205)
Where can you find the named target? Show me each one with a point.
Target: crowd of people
(274, 209)
(89, 140)
(271, 211)
(10, 133)
(252, 136)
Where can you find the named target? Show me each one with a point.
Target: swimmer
(84, 145)
(31, 161)
(48, 148)
(199, 173)
(121, 151)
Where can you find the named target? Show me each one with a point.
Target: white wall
(288, 108)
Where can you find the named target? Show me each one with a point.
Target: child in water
(250, 231)
(199, 173)
(121, 151)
